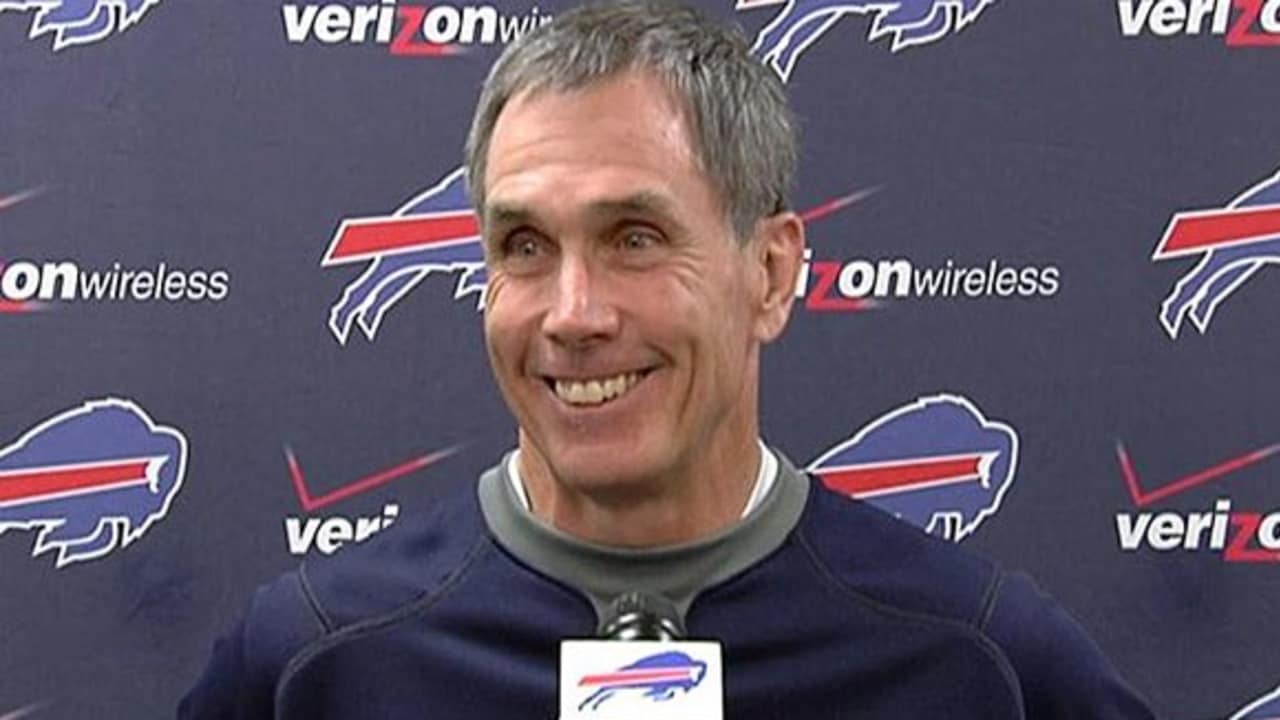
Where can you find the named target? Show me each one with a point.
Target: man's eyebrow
(641, 203)
(499, 214)
(645, 202)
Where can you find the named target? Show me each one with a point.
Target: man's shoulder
(898, 569)
(411, 560)
(406, 563)
(894, 565)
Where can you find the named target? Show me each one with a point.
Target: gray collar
(676, 572)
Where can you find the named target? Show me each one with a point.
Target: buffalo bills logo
(1266, 707)
(906, 23)
(937, 463)
(80, 22)
(659, 677)
(1233, 243)
(435, 232)
(91, 479)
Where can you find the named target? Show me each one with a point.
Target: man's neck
(697, 505)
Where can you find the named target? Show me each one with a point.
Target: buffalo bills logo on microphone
(91, 479)
(937, 463)
(1266, 707)
(435, 232)
(80, 22)
(907, 23)
(659, 677)
(1233, 243)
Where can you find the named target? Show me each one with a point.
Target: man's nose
(580, 311)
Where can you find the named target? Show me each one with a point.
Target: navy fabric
(856, 614)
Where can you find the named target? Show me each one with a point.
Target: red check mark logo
(8, 201)
(823, 297)
(834, 205)
(9, 306)
(22, 712)
(311, 502)
(1142, 498)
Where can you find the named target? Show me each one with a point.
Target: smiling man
(630, 164)
(625, 315)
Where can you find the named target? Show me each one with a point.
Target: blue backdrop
(239, 322)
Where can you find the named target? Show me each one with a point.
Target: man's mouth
(596, 391)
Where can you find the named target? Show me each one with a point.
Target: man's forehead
(650, 85)
(614, 145)
(636, 106)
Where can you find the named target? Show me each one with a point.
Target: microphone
(640, 616)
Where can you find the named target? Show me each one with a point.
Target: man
(629, 164)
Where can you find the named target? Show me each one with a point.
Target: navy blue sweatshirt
(826, 608)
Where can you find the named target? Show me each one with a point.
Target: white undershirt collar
(766, 476)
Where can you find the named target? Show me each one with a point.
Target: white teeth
(597, 391)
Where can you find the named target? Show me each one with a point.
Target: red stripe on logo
(43, 483)
(1203, 230)
(635, 677)
(369, 237)
(899, 475)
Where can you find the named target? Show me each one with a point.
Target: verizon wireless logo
(408, 29)
(1239, 536)
(328, 534)
(1240, 23)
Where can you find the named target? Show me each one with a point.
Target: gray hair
(742, 131)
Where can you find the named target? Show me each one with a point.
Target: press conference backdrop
(240, 316)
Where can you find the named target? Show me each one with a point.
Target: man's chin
(606, 471)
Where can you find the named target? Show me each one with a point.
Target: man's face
(622, 319)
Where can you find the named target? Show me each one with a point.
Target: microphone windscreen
(641, 616)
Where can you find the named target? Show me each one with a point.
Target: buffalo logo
(91, 479)
(907, 23)
(1233, 243)
(659, 676)
(1266, 707)
(80, 22)
(436, 231)
(937, 463)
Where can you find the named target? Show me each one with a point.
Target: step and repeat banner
(240, 323)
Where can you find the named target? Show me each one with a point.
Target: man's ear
(778, 250)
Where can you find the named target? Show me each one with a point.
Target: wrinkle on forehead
(675, 134)
(643, 203)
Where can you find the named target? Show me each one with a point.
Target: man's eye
(524, 245)
(640, 240)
